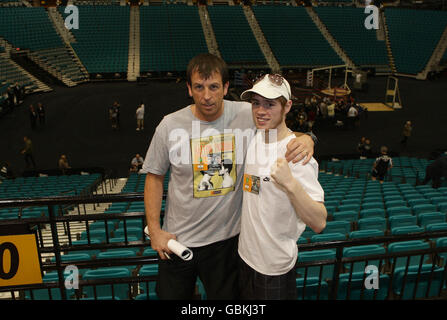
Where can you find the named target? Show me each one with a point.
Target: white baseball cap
(271, 86)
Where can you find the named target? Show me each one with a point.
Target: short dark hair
(206, 64)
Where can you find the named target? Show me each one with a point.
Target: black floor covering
(77, 123)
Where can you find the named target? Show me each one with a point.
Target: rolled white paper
(180, 250)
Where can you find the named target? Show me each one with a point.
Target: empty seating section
(14, 3)
(28, 28)
(32, 187)
(237, 44)
(293, 37)
(102, 40)
(62, 61)
(413, 46)
(346, 25)
(170, 35)
(10, 74)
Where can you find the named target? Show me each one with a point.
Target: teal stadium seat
(428, 218)
(372, 205)
(363, 251)
(343, 227)
(395, 203)
(404, 246)
(91, 253)
(345, 216)
(372, 224)
(406, 230)
(50, 294)
(327, 237)
(423, 208)
(311, 289)
(402, 221)
(120, 290)
(119, 254)
(372, 213)
(352, 287)
(145, 287)
(326, 270)
(396, 211)
(369, 233)
(417, 285)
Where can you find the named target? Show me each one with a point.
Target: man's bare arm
(302, 146)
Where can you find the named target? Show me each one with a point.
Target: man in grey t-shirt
(203, 146)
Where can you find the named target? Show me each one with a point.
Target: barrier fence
(338, 270)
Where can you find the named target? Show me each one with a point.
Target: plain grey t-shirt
(206, 162)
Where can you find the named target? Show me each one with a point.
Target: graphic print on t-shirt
(214, 168)
(252, 183)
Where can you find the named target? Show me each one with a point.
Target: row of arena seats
(391, 205)
(102, 43)
(405, 169)
(169, 37)
(32, 187)
(346, 25)
(171, 34)
(238, 31)
(10, 74)
(413, 47)
(144, 290)
(315, 282)
(360, 208)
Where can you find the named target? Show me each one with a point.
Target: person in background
(41, 113)
(32, 116)
(27, 152)
(406, 132)
(382, 165)
(137, 163)
(140, 117)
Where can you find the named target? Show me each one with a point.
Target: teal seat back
(327, 270)
(363, 251)
(311, 289)
(356, 289)
(424, 280)
(120, 290)
(403, 246)
(402, 221)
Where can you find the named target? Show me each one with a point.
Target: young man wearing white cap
(204, 198)
(287, 197)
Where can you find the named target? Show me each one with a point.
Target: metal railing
(320, 289)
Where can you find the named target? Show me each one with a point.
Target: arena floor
(78, 126)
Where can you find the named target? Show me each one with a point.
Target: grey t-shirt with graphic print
(206, 163)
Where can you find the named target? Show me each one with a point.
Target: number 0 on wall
(19, 260)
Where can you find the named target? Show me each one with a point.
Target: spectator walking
(140, 117)
(406, 132)
(27, 152)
